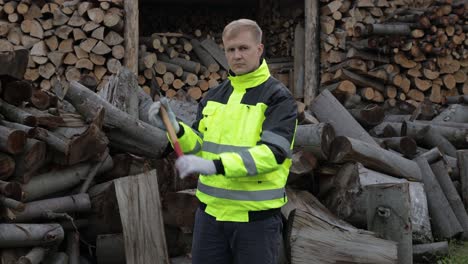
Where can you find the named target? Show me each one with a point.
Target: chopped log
(35, 256)
(444, 221)
(87, 103)
(55, 181)
(187, 65)
(101, 48)
(347, 198)
(388, 214)
(369, 116)
(32, 159)
(113, 38)
(454, 135)
(343, 86)
(38, 209)
(213, 49)
(356, 65)
(205, 58)
(343, 74)
(315, 138)
(24, 235)
(405, 145)
(367, 56)
(453, 113)
(348, 149)
(329, 110)
(440, 171)
(12, 204)
(431, 251)
(313, 234)
(11, 190)
(7, 166)
(12, 141)
(17, 62)
(139, 204)
(16, 92)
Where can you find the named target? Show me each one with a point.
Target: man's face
(242, 52)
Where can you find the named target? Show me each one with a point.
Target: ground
(458, 254)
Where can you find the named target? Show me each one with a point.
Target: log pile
(394, 51)
(66, 39)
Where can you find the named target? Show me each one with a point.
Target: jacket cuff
(219, 166)
(181, 131)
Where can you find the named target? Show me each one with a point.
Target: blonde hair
(237, 26)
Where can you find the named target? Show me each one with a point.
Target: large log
(431, 251)
(29, 235)
(35, 256)
(369, 116)
(440, 171)
(32, 159)
(315, 138)
(87, 103)
(348, 149)
(329, 110)
(444, 222)
(453, 113)
(38, 209)
(314, 235)
(216, 52)
(462, 156)
(388, 214)
(348, 192)
(456, 136)
(59, 180)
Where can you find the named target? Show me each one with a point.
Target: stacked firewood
(395, 50)
(66, 39)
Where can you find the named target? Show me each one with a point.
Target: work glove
(156, 120)
(189, 164)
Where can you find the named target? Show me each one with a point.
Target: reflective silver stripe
(196, 149)
(198, 133)
(219, 148)
(262, 195)
(277, 140)
(249, 162)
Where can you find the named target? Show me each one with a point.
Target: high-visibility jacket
(246, 125)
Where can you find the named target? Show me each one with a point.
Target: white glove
(189, 164)
(156, 120)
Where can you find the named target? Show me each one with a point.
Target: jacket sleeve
(276, 142)
(190, 139)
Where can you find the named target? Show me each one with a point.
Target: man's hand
(155, 118)
(189, 164)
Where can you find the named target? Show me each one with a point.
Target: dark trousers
(255, 242)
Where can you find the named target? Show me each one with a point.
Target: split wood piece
(28, 162)
(67, 204)
(216, 52)
(347, 149)
(194, 92)
(87, 103)
(139, 204)
(462, 157)
(401, 60)
(347, 198)
(190, 66)
(205, 58)
(110, 249)
(17, 62)
(440, 171)
(189, 78)
(369, 116)
(343, 74)
(453, 113)
(35, 256)
(389, 216)
(17, 92)
(329, 110)
(444, 222)
(356, 65)
(120, 91)
(30, 235)
(430, 252)
(55, 181)
(179, 208)
(315, 138)
(11, 190)
(12, 141)
(313, 234)
(73, 247)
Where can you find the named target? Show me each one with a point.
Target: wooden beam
(131, 35)
(312, 46)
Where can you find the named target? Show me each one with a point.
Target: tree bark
(315, 138)
(430, 252)
(30, 235)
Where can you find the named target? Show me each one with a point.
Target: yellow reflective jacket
(246, 125)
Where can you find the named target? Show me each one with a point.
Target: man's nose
(237, 54)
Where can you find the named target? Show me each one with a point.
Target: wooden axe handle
(170, 131)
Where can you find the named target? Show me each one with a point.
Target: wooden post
(299, 53)
(388, 214)
(312, 48)
(131, 35)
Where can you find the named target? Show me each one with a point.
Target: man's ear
(260, 48)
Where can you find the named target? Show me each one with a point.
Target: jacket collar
(251, 79)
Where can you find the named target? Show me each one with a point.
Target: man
(240, 144)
